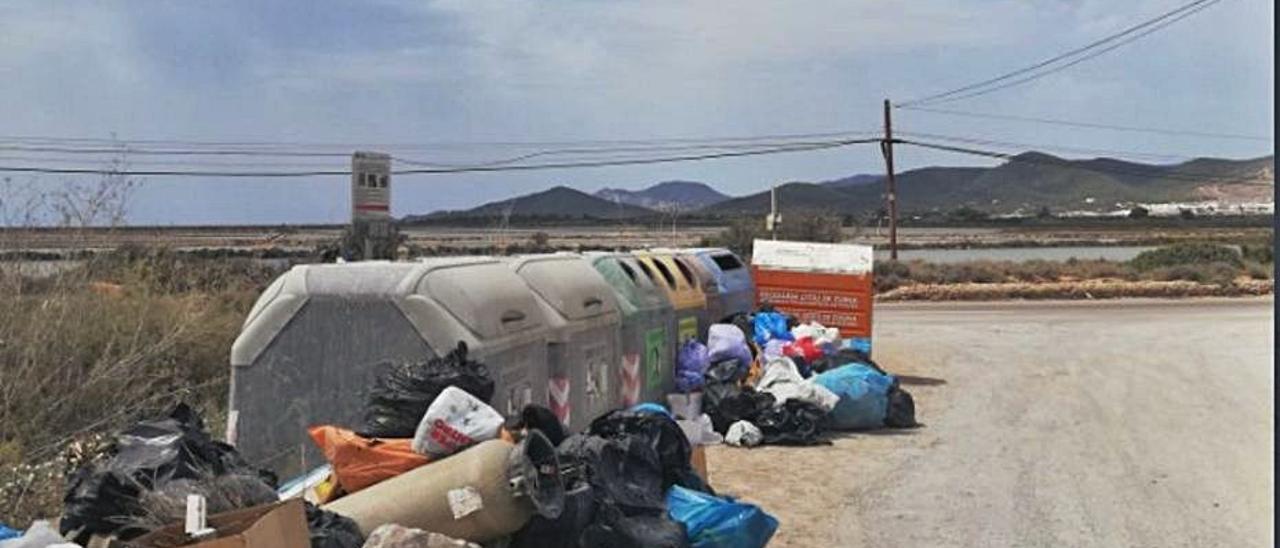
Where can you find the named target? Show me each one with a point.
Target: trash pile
(764, 378)
(432, 464)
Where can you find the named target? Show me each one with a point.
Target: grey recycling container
(582, 352)
(648, 334)
(307, 351)
(732, 281)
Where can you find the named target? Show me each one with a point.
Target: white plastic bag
(743, 434)
(821, 335)
(454, 421)
(782, 380)
(39, 535)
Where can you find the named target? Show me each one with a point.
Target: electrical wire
(1146, 27)
(613, 151)
(1034, 146)
(113, 145)
(1091, 125)
(443, 170)
(1154, 173)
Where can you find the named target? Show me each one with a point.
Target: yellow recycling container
(682, 287)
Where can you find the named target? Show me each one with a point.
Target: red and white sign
(631, 379)
(370, 186)
(558, 394)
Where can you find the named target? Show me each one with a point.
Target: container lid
(567, 283)
(812, 257)
(484, 295)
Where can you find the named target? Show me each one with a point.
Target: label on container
(687, 328)
(655, 345)
(464, 501)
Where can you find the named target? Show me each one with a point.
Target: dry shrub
(79, 361)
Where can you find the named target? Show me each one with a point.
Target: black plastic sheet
(105, 497)
(402, 392)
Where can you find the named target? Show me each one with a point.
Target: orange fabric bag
(359, 462)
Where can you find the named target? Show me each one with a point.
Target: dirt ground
(1121, 423)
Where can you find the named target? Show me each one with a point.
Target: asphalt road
(1119, 423)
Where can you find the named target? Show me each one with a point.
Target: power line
(433, 171)
(1060, 148)
(1091, 125)
(1143, 29)
(1155, 172)
(115, 145)
(611, 151)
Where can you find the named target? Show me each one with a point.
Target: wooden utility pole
(891, 194)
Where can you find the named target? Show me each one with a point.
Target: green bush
(1186, 254)
(1222, 274)
(1258, 253)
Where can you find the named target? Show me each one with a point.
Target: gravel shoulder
(1112, 423)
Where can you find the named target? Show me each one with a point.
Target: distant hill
(686, 195)
(854, 180)
(560, 201)
(1027, 182)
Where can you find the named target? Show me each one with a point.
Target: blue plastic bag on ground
(715, 522)
(691, 365)
(864, 396)
(771, 325)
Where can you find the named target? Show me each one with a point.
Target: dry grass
(93, 348)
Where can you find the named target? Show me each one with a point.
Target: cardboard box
(275, 525)
(699, 461)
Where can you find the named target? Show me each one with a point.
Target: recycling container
(732, 281)
(832, 284)
(307, 351)
(582, 351)
(688, 300)
(648, 336)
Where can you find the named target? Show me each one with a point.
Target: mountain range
(682, 195)
(1024, 183)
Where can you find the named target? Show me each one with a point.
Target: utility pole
(891, 195)
(771, 223)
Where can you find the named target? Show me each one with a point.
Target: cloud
(467, 70)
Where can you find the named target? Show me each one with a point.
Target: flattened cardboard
(274, 525)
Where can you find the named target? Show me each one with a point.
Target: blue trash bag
(715, 522)
(771, 325)
(653, 408)
(691, 365)
(7, 533)
(864, 396)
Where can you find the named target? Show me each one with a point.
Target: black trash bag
(401, 392)
(624, 472)
(794, 422)
(901, 411)
(727, 402)
(643, 531)
(104, 497)
(844, 356)
(537, 417)
(330, 530)
(578, 513)
(663, 435)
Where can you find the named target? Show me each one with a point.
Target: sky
(449, 71)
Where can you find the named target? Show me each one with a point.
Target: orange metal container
(827, 283)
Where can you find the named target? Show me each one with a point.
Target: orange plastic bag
(359, 462)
